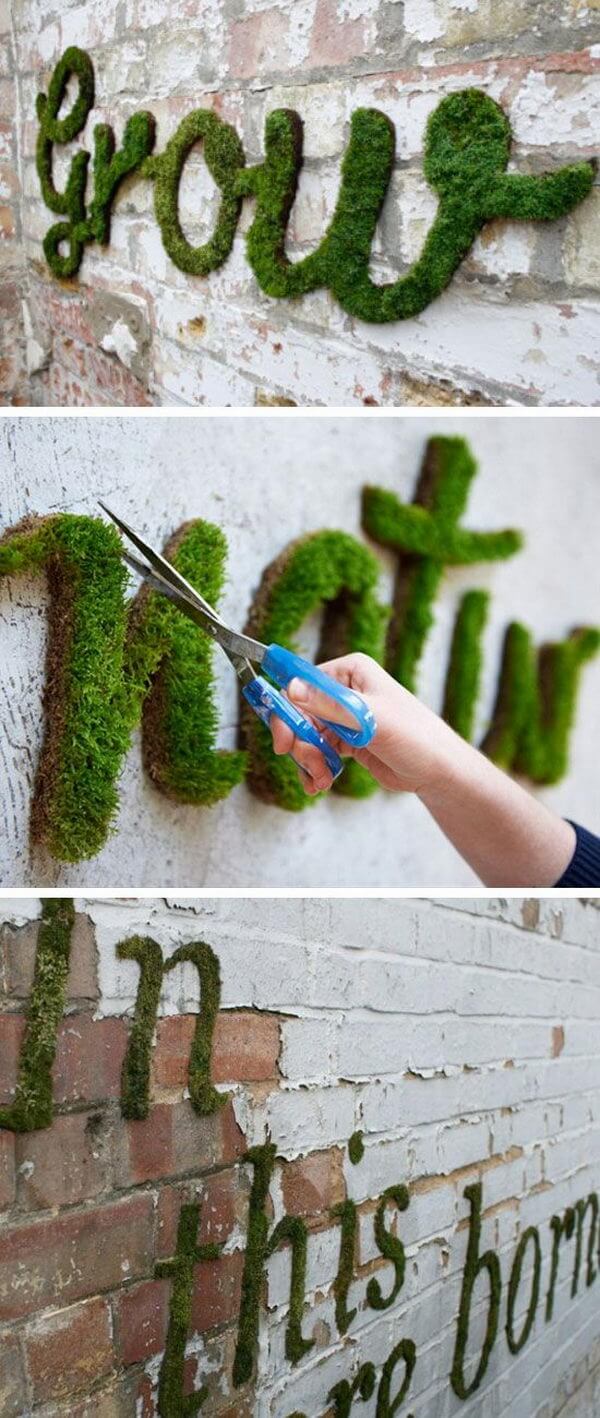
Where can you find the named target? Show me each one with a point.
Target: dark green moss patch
(329, 569)
(342, 1395)
(293, 1229)
(561, 1227)
(33, 1107)
(404, 1353)
(356, 1148)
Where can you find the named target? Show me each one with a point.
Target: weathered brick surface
(520, 320)
(458, 1037)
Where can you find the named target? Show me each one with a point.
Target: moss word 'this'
(104, 659)
(33, 1106)
(135, 1087)
(467, 149)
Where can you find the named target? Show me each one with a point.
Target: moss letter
(474, 1265)
(33, 1107)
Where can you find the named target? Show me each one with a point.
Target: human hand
(411, 744)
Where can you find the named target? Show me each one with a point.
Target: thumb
(315, 701)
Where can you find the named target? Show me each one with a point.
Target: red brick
(19, 947)
(218, 1194)
(217, 1291)
(70, 1256)
(7, 1170)
(64, 1164)
(313, 1184)
(12, 1028)
(89, 1059)
(7, 224)
(69, 1351)
(174, 1141)
(245, 1047)
(146, 1151)
(143, 1320)
(171, 1055)
(13, 1393)
(233, 1142)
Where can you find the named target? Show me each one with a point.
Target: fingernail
(297, 689)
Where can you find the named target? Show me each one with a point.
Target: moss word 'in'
(467, 150)
(33, 1107)
(103, 660)
(180, 1270)
(330, 570)
(135, 1084)
(475, 1264)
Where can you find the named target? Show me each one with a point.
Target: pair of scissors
(279, 664)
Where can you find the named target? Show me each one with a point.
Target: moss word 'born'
(467, 150)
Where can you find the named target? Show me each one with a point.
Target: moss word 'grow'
(467, 150)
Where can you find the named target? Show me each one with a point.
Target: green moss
(475, 1264)
(135, 1076)
(33, 1107)
(426, 536)
(204, 1097)
(111, 167)
(463, 679)
(224, 156)
(581, 1209)
(262, 1161)
(169, 658)
(560, 1226)
(356, 1148)
(293, 1229)
(531, 1234)
(390, 1247)
(342, 1395)
(135, 1084)
(329, 569)
(467, 152)
(345, 1212)
(104, 659)
(87, 732)
(404, 1353)
(535, 703)
(180, 1270)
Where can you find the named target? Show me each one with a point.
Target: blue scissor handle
(266, 700)
(283, 666)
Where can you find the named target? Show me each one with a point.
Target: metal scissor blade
(162, 577)
(161, 565)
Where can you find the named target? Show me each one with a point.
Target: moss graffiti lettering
(467, 150)
(570, 1240)
(112, 664)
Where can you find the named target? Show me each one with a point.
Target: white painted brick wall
(531, 1129)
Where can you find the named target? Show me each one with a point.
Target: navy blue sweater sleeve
(584, 866)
